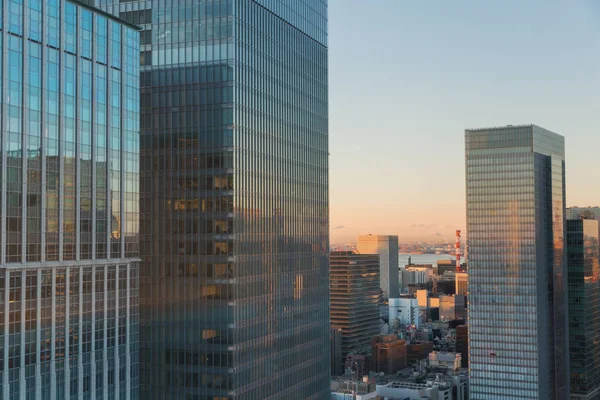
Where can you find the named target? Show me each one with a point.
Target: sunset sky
(406, 79)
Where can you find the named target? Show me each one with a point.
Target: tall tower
(69, 127)
(234, 198)
(515, 178)
(387, 248)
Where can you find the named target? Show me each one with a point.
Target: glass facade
(517, 267)
(69, 125)
(387, 248)
(234, 198)
(584, 308)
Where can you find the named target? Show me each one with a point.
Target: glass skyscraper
(515, 178)
(584, 308)
(234, 198)
(69, 125)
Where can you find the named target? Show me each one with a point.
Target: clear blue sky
(407, 77)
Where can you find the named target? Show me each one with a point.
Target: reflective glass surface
(584, 308)
(234, 211)
(69, 125)
(517, 268)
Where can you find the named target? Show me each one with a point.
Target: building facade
(234, 198)
(517, 266)
(354, 301)
(584, 308)
(69, 126)
(387, 248)
(388, 354)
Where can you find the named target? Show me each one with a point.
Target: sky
(406, 78)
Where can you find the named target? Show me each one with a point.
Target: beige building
(462, 283)
(387, 248)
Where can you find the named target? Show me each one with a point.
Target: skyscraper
(355, 299)
(387, 248)
(69, 113)
(234, 197)
(517, 268)
(584, 308)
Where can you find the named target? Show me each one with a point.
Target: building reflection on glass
(517, 267)
(69, 120)
(234, 198)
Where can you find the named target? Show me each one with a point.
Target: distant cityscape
(408, 248)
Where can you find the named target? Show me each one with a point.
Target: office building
(414, 275)
(584, 308)
(452, 307)
(335, 344)
(417, 351)
(461, 280)
(387, 248)
(388, 354)
(69, 123)
(234, 198)
(404, 311)
(517, 263)
(354, 302)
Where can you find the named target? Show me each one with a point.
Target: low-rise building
(451, 361)
(404, 311)
(388, 354)
(344, 389)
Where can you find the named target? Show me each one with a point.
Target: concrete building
(69, 248)
(417, 351)
(452, 307)
(337, 360)
(461, 280)
(388, 354)
(354, 282)
(584, 311)
(451, 361)
(430, 390)
(353, 389)
(515, 195)
(357, 365)
(387, 248)
(404, 311)
(443, 266)
(411, 276)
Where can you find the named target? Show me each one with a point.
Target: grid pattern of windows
(69, 129)
(517, 268)
(90, 142)
(584, 309)
(234, 228)
(48, 328)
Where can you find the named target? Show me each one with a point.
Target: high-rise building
(234, 198)
(584, 309)
(69, 124)
(387, 248)
(354, 285)
(515, 178)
